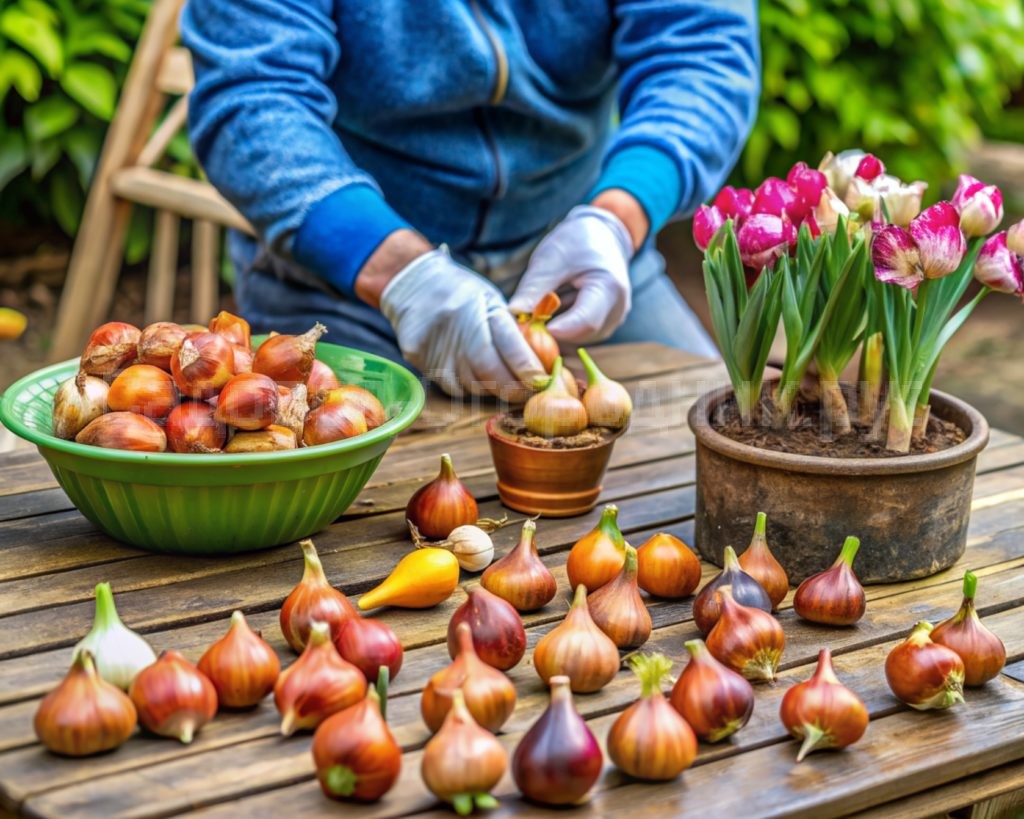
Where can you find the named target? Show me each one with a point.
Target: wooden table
(908, 764)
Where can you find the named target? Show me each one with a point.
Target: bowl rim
(385, 431)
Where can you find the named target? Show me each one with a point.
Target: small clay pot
(556, 483)
(910, 512)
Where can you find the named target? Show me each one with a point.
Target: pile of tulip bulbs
(337, 686)
(202, 390)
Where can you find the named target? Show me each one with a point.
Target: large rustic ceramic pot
(910, 512)
(556, 483)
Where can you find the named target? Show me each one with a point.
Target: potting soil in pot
(512, 426)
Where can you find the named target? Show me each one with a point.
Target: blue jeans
(273, 295)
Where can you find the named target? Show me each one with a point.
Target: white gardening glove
(589, 249)
(456, 328)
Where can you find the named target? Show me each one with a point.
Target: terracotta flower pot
(910, 512)
(557, 483)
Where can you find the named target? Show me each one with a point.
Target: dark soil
(513, 426)
(809, 435)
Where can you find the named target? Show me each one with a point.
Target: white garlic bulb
(472, 547)
(119, 652)
(78, 401)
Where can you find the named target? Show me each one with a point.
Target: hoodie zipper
(498, 91)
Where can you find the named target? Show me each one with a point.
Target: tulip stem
(837, 415)
(106, 611)
(849, 551)
(340, 780)
(593, 373)
(970, 585)
(761, 524)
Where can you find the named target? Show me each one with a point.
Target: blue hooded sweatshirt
(331, 123)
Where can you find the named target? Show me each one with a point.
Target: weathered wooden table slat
(50, 559)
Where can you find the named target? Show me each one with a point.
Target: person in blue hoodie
(410, 164)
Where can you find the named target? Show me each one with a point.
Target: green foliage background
(915, 81)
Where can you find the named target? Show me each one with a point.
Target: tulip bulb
(143, 389)
(321, 378)
(436, 508)
(248, 401)
(77, 402)
(369, 645)
(650, 740)
(422, 579)
(666, 567)
(272, 439)
(490, 696)
(558, 760)
(292, 408)
(333, 422)
(110, 347)
(191, 427)
(234, 328)
(577, 649)
(202, 365)
(743, 588)
(471, 545)
(316, 685)
(84, 715)
(597, 557)
(554, 412)
(158, 342)
(983, 654)
(822, 711)
(355, 754)
(759, 562)
(606, 401)
(463, 762)
(498, 634)
(288, 359)
(747, 639)
(521, 577)
(314, 599)
(618, 609)
(123, 430)
(173, 698)
(241, 665)
(363, 399)
(533, 326)
(834, 597)
(117, 652)
(924, 674)
(714, 700)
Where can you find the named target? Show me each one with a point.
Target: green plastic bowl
(216, 504)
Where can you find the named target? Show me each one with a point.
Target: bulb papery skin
(368, 645)
(364, 400)
(822, 712)
(234, 328)
(462, 761)
(606, 401)
(191, 427)
(84, 714)
(333, 422)
(666, 567)
(202, 365)
(173, 698)
(650, 740)
(321, 378)
(598, 556)
(313, 599)
(241, 665)
(110, 347)
(143, 389)
(618, 609)
(554, 412)
(288, 359)
(558, 760)
(745, 590)
(272, 439)
(982, 652)
(499, 638)
(472, 547)
(319, 683)
(158, 342)
(77, 402)
(833, 597)
(123, 430)
(490, 696)
(292, 408)
(747, 640)
(577, 649)
(759, 562)
(118, 652)
(924, 674)
(714, 700)
(436, 508)
(248, 401)
(533, 326)
(355, 754)
(520, 577)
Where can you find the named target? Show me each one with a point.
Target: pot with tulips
(847, 437)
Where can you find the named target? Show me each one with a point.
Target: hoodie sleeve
(689, 85)
(260, 121)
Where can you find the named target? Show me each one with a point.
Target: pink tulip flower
(1000, 267)
(931, 247)
(706, 222)
(980, 206)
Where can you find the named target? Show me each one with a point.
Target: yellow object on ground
(421, 579)
(12, 323)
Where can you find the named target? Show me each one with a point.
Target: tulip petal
(838, 169)
(999, 267)
(706, 222)
(776, 197)
(903, 202)
(808, 184)
(895, 257)
(940, 241)
(869, 167)
(980, 206)
(1015, 238)
(763, 238)
(734, 203)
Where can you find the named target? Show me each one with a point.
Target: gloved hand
(455, 327)
(590, 249)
